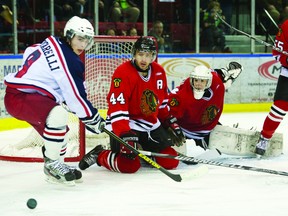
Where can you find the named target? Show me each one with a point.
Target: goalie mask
(200, 80)
(145, 44)
(81, 27)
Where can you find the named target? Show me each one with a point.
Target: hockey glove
(131, 138)
(174, 131)
(95, 124)
(230, 73)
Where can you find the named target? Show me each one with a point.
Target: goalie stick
(252, 37)
(216, 163)
(241, 167)
(213, 153)
(175, 177)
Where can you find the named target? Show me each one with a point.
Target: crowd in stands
(171, 23)
(271, 14)
(213, 31)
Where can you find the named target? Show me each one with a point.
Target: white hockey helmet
(79, 26)
(200, 72)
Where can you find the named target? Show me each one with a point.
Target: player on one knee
(137, 105)
(53, 74)
(198, 102)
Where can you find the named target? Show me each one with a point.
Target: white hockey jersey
(53, 69)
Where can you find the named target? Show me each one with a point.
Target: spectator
(65, 9)
(124, 10)
(164, 45)
(89, 10)
(111, 32)
(6, 13)
(132, 32)
(6, 41)
(269, 16)
(25, 10)
(212, 35)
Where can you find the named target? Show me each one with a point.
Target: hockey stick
(236, 166)
(251, 37)
(181, 157)
(271, 18)
(216, 163)
(175, 177)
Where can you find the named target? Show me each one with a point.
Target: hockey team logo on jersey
(149, 102)
(117, 82)
(173, 102)
(209, 114)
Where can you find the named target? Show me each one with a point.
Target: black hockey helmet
(145, 44)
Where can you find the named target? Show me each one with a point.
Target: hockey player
(53, 74)
(198, 102)
(279, 107)
(137, 105)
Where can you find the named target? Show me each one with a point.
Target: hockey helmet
(145, 44)
(200, 72)
(79, 26)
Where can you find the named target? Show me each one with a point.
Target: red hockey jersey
(199, 116)
(281, 42)
(137, 102)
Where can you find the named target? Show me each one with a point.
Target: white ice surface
(220, 192)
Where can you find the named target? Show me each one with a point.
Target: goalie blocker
(236, 141)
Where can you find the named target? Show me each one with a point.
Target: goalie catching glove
(131, 138)
(94, 124)
(174, 131)
(230, 73)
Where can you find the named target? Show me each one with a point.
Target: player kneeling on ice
(137, 105)
(198, 102)
(53, 74)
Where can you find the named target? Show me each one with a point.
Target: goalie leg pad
(236, 141)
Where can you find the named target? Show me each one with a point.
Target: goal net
(101, 60)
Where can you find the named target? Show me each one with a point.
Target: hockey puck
(31, 203)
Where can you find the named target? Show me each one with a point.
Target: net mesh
(101, 60)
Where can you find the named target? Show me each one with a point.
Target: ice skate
(90, 158)
(261, 146)
(58, 172)
(77, 173)
(72, 169)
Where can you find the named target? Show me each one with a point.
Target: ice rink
(220, 192)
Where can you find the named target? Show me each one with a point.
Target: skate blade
(52, 180)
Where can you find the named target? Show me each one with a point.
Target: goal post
(107, 53)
